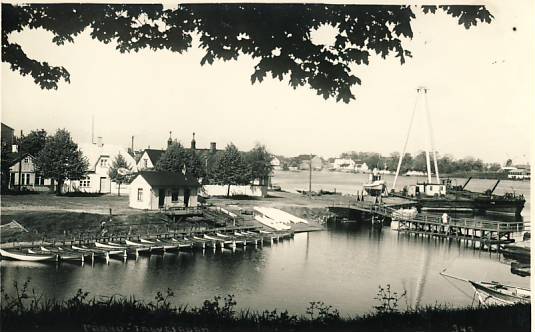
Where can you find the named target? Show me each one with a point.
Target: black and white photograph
(266, 166)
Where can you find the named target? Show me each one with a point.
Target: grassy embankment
(27, 311)
(47, 216)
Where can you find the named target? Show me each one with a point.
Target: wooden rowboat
(28, 257)
(495, 293)
(492, 293)
(203, 242)
(96, 253)
(144, 247)
(64, 254)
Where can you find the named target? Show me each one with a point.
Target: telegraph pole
(20, 161)
(310, 176)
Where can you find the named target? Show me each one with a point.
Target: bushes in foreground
(27, 310)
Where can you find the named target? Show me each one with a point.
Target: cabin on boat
(427, 189)
(153, 190)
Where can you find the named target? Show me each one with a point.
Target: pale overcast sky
(480, 83)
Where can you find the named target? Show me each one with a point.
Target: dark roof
(16, 157)
(154, 155)
(6, 127)
(169, 179)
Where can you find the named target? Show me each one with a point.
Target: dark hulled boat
(444, 197)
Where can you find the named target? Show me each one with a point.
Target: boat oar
(452, 276)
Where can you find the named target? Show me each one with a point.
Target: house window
(430, 188)
(146, 163)
(139, 194)
(26, 160)
(174, 196)
(39, 180)
(85, 182)
(25, 179)
(103, 162)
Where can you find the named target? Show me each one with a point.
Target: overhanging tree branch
(276, 36)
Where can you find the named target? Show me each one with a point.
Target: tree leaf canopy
(276, 36)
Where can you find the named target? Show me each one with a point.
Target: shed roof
(169, 179)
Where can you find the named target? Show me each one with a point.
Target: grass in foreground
(26, 310)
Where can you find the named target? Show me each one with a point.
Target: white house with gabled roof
(153, 190)
(100, 158)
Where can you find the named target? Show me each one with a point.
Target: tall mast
(429, 125)
(428, 138)
(405, 144)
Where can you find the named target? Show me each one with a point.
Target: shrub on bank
(27, 310)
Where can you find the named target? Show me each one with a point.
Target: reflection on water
(342, 266)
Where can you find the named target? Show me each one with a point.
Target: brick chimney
(213, 147)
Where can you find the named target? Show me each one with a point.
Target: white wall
(218, 190)
(145, 203)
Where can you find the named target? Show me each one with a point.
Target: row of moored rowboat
(131, 248)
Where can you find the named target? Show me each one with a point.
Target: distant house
(23, 172)
(100, 157)
(344, 165)
(149, 159)
(361, 167)
(152, 190)
(507, 169)
(316, 162)
(276, 164)
(519, 172)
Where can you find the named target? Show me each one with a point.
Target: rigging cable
(431, 137)
(405, 144)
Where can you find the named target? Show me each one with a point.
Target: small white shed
(152, 190)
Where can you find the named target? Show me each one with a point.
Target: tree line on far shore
(58, 157)
(447, 164)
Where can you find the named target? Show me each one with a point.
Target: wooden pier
(485, 233)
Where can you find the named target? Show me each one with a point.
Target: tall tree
(60, 159)
(176, 158)
(259, 163)
(119, 172)
(231, 169)
(34, 142)
(276, 36)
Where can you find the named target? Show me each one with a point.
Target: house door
(187, 193)
(161, 198)
(104, 185)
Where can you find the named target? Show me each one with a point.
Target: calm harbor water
(342, 266)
